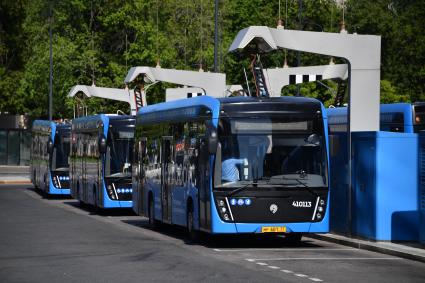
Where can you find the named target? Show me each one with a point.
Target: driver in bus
(229, 169)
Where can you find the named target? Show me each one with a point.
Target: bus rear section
(49, 157)
(233, 165)
(102, 147)
(395, 117)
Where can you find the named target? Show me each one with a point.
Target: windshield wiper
(241, 189)
(253, 183)
(301, 183)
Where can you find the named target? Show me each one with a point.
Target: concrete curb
(15, 182)
(416, 254)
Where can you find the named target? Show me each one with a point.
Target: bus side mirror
(50, 146)
(102, 145)
(212, 141)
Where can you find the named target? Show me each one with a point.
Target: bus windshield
(61, 152)
(118, 156)
(290, 152)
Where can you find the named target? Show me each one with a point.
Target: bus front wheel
(293, 238)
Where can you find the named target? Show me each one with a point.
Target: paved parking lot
(56, 240)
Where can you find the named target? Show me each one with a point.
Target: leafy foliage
(98, 41)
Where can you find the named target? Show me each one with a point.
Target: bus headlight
(223, 209)
(320, 210)
(111, 192)
(55, 182)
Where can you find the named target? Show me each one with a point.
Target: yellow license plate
(269, 229)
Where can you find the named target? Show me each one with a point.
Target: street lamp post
(51, 63)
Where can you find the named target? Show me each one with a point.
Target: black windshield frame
(292, 140)
(120, 144)
(61, 150)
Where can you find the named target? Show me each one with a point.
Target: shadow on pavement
(118, 212)
(44, 195)
(223, 241)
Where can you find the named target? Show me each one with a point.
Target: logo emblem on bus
(273, 208)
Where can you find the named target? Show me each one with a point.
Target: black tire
(293, 238)
(192, 233)
(34, 180)
(151, 214)
(95, 202)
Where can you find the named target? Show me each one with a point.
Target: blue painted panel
(364, 186)
(106, 202)
(421, 184)
(385, 186)
(52, 190)
(256, 227)
(339, 182)
(178, 208)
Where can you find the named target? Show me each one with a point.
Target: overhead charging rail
(362, 52)
(214, 84)
(124, 95)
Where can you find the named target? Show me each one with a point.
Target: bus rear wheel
(152, 222)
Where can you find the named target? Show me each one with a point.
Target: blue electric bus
(100, 160)
(49, 157)
(396, 117)
(233, 165)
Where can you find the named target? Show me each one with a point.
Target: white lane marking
(327, 258)
(286, 249)
(261, 263)
(286, 271)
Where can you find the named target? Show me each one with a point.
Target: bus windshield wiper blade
(301, 183)
(254, 183)
(241, 189)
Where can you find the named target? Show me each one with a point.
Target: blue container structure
(384, 195)
(385, 186)
(421, 198)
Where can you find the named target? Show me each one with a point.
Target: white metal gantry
(212, 84)
(363, 53)
(277, 78)
(117, 94)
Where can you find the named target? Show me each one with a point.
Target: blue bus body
(179, 171)
(101, 149)
(396, 117)
(49, 157)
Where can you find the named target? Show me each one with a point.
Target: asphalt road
(56, 240)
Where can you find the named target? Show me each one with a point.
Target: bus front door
(166, 152)
(203, 168)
